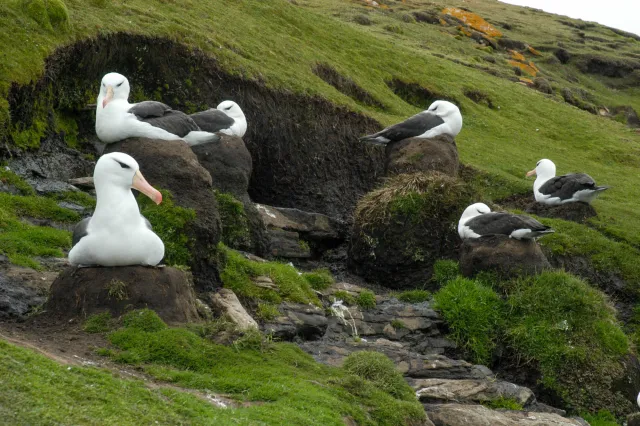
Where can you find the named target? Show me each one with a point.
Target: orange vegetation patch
(531, 70)
(464, 31)
(442, 21)
(533, 51)
(526, 81)
(517, 56)
(472, 20)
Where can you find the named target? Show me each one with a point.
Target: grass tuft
(445, 271)
(380, 370)
(366, 300)
(414, 296)
(320, 279)
(143, 320)
(98, 323)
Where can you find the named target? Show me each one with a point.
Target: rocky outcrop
(172, 165)
(575, 212)
(505, 256)
(478, 415)
(469, 391)
(22, 289)
(226, 303)
(80, 292)
(411, 155)
(299, 321)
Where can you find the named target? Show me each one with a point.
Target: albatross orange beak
(109, 96)
(531, 173)
(141, 184)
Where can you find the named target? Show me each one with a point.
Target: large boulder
(403, 228)
(479, 415)
(80, 292)
(469, 391)
(172, 165)
(505, 256)
(439, 154)
(21, 289)
(575, 212)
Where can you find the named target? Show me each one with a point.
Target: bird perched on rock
(117, 234)
(478, 220)
(226, 118)
(555, 190)
(442, 117)
(117, 119)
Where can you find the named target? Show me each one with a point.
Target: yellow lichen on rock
(517, 56)
(533, 51)
(474, 21)
(531, 70)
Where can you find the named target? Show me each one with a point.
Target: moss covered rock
(403, 228)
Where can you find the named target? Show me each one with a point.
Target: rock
(306, 321)
(539, 407)
(508, 43)
(467, 391)
(227, 303)
(423, 155)
(542, 85)
(506, 256)
(22, 289)
(402, 229)
(563, 55)
(576, 212)
(86, 291)
(428, 17)
(633, 419)
(265, 282)
(172, 165)
(629, 114)
(74, 207)
(82, 182)
(478, 415)
(287, 244)
(312, 226)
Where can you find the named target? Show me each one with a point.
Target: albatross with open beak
(117, 234)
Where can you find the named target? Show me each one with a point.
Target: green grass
(414, 296)
(445, 270)
(602, 418)
(9, 178)
(366, 299)
(77, 197)
(267, 311)
(505, 403)
(237, 273)
(320, 279)
(98, 323)
(381, 371)
(235, 226)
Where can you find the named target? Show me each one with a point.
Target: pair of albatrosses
(117, 119)
(117, 234)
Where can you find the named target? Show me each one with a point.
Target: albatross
(555, 190)
(478, 220)
(226, 118)
(442, 118)
(117, 119)
(117, 234)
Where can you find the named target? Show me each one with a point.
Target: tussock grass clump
(380, 370)
(445, 271)
(475, 315)
(267, 311)
(235, 225)
(143, 320)
(414, 296)
(366, 299)
(170, 222)
(98, 323)
(237, 272)
(319, 279)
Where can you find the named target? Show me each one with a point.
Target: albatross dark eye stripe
(120, 84)
(123, 165)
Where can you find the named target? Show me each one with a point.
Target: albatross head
(449, 113)
(545, 169)
(121, 170)
(232, 109)
(113, 86)
(475, 210)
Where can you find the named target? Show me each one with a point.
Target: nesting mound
(575, 212)
(505, 256)
(439, 154)
(85, 291)
(403, 228)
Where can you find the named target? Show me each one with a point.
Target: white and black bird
(442, 118)
(226, 118)
(478, 220)
(555, 190)
(117, 119)
(117, 234)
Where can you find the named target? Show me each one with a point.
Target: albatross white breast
(478, 220)
(442, 118)
(555, 190)
(117, 234)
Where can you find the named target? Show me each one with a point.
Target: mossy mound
(49, 14)
(403, 228)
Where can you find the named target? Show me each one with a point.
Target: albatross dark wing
(504, 223)
(176, 122)
(79, 231)
(411, 127)
(212, 120)
(148, 109)
(565, 186)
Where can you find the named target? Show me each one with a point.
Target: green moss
(267, 311)
(366, 300)
(445, 271)
(346, 298)
(66, 124)
(601, 418)
(237, 272)
(98, 323)
(143, 320)
(397, 324)
(304, 246)
(7, 177)
(37, 207)
(475, 316)
(76, 197)
(37, 10)
(58, 15)
(235, 225)
(505, 403)
(320, 279)
(171, 222)
(414, 296)
(380, 370)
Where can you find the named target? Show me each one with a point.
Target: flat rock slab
(226, 303)
(575, 212)
(444, 390)
(80, 292)
(479, 415)
(423, 155)
(506, 256)
(298, 320)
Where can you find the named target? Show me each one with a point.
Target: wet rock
(226, 303)
(505, 256)
(22, 289)
(80, 292)
(423, 155)
(172, 165)
(466, 391)
(478, 415)
(575, 212)
(306, 321)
